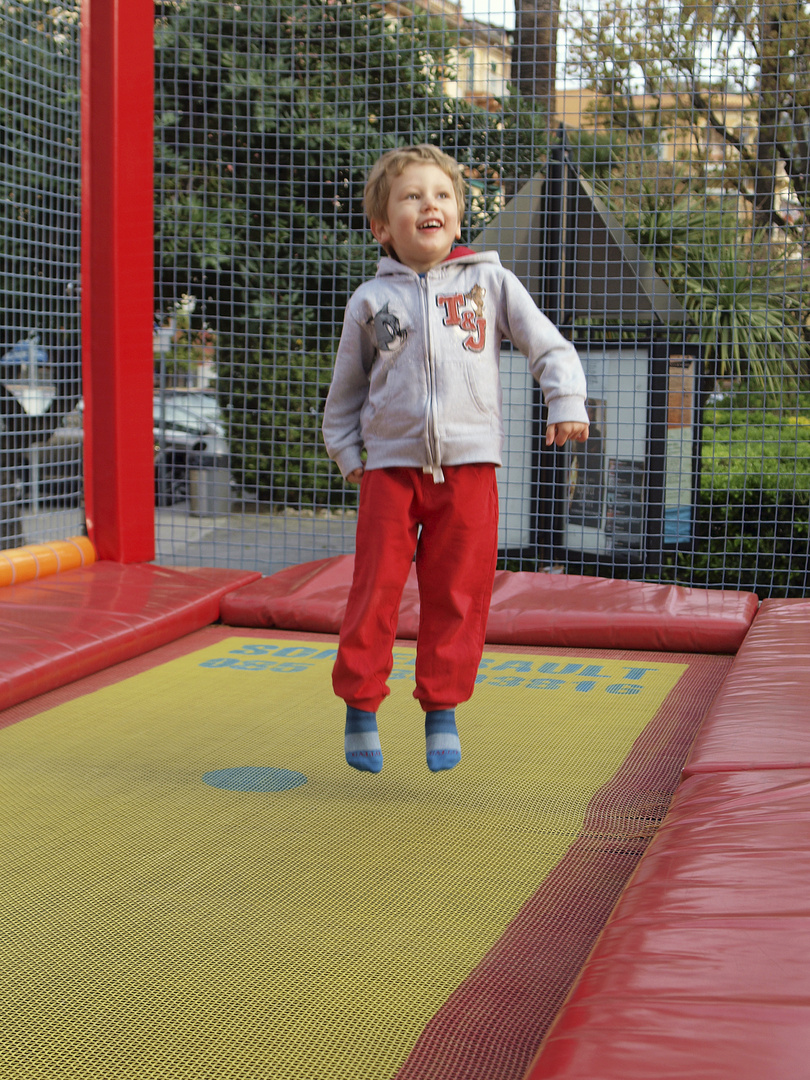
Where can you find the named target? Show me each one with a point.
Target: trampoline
(195, 884)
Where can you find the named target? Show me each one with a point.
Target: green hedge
(276, 404)
(755, 539)
(752, 515)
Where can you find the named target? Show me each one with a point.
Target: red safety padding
(527, 609)
(61, 628)
(590, 612)
(702, 969)
(770, 678)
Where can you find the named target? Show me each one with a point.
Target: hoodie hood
(388, 267)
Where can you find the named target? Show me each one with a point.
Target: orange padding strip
(40, 560)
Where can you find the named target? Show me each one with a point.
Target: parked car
(201, 403)
(188, 427)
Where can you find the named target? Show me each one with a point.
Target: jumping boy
(414, 416)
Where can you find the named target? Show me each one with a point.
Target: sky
(497, 12)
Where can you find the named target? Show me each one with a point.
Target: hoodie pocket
(469, 395)
(396, 403)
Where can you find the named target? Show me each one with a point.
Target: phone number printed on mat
(499, 671)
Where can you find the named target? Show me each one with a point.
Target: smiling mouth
(433, 224)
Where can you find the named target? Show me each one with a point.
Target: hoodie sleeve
(347, 395)
(553, 361)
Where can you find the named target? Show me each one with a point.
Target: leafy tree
(657, 68)
(704, 107)
(269, 117)
(39, 141)
(39, 220)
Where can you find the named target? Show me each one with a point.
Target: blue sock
(441, 740)
(362, 741)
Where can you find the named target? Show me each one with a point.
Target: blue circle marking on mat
(254, 778)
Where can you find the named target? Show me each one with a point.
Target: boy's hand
(561, 433)
(355, 476)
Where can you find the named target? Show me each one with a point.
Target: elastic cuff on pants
(369, 705)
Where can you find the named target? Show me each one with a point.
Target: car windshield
(194, 413)
(184, 415)
(205, 405)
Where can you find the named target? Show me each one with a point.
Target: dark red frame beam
(117, 276)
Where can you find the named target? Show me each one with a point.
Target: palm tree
(534, 57)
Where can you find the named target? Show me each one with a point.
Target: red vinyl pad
(702, 969)
(61, 628)
(759, 719)
(527, 609)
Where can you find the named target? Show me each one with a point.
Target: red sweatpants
(456, 554)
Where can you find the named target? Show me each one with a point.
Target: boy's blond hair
(394, 163)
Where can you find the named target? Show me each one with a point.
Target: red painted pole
(117, 276)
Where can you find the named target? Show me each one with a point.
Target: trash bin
(209, 485)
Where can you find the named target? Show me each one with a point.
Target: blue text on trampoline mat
(526, 672)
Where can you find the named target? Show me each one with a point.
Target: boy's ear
(379, 230)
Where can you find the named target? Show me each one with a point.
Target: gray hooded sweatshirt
(416, 379)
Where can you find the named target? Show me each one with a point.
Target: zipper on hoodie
(431, 418)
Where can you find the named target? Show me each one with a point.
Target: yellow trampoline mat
(154, 925)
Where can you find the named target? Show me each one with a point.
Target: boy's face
(423, 217)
